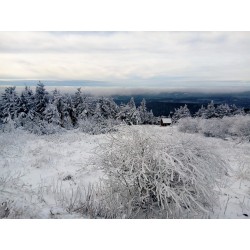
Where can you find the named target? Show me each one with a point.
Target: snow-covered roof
(166, 120)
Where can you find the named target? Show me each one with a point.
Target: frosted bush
(49, 128)
(9, 126)
(214, 127)
(41, 127)
(235, 127)
(241, 127)
(188, 125)
(161, 177)
(94, 127)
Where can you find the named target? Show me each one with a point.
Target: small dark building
(166, 121)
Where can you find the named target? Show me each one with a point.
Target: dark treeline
(167, 108)
(165, 104)
(208, 112)
(42, 112)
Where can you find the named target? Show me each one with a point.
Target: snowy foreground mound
(137, 172)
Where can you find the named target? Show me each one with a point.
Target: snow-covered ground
(235, 192)
(45, 176)
(38, 169)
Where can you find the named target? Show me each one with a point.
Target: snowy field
(47, 176)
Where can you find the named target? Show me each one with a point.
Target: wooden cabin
(166, 122)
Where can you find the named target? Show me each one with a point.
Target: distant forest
(42, 112)
(165, 104)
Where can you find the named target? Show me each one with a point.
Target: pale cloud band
(135, 58)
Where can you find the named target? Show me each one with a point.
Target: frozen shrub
(240, 127)
(243, 172)
(38, 126)
(161, 177)
(213, 127)
(236, 127)
(188, 125)
(8, 126)
(100, 126)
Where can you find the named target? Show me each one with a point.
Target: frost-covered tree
(133, 114)
(41, 100)
(108, 107)
(143, 112)
(60, 110)
(98, 112)
(151, 117)
(34, 121)
(211, 110)
(68, 115)
(201, 112)
(124, 114)
(206, 113)
(234, 110)
(131, 103)
(129, 113)
(134, 117)
(27, 99)
(181, 112)
(97, 124)
(52, 115)
(222, 110)
(10, 105)
(79, 104)
(26, 107)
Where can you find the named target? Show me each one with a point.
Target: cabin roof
(166, 120)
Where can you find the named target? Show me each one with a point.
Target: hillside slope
(47, 176)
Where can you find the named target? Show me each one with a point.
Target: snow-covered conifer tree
(211, 111)
(135, 117)
(131, 103)
(181, 112)
(68, 115)
(129, 113)
(79, 104)
(51, 114)
(151, 117)
(201, 112)
(98, 112)
(41, 100)
(222, 110)
(10, 104)
(234, 110)
(108, 107)
(27, 100)
(143, 112)
(123, 113)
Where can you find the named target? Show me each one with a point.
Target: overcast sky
(127, 58)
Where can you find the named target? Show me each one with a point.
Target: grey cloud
(125, 56)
